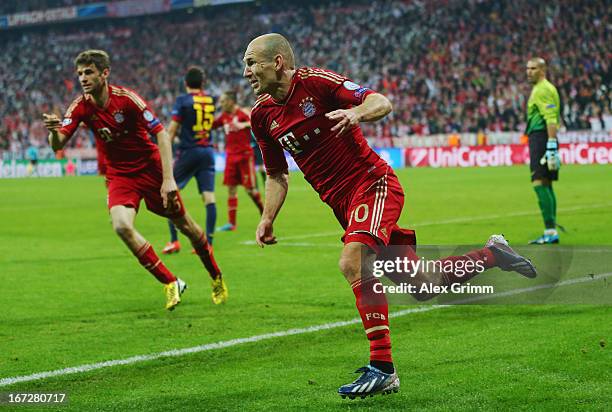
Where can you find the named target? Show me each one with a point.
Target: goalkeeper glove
(551, 157)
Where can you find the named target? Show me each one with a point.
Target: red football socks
(151, 262)
(374, 312)
(232, 207)
(204, 252)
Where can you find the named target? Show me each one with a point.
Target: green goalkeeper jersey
(543, 107)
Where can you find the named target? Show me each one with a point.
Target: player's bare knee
(208, 197)
(353, 256)
(350, 262)
(350, 268)
(123, 229)
(123, 221)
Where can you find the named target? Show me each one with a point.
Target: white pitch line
(194, 349)
(465, 219)
(513, 292)
(257, 338)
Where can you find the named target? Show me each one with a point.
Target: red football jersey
(334, 166)
(237, 142)
(121, 128)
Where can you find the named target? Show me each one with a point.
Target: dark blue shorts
(198, 162)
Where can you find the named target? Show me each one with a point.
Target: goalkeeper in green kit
(543, 110)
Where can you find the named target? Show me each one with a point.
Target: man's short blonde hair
(98, 58)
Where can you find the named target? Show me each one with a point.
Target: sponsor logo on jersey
(148, 116)
(349, 85)
(119, 117)
(550, 106)
(274, 125)
(359, 92)
(66, 121)
(308, 107)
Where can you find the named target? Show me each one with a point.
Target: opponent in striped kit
(192, 120)
(314, 114)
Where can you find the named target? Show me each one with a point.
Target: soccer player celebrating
(193, 113)
(542, 123)
(240, 160)
(136, 169)
(314, 114)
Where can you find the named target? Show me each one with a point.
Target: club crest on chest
(308, 107)
(119, 118)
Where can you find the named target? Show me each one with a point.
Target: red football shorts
(145, 184)
(370, 215)
(240, 170)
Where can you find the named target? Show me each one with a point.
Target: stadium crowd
(22, 6)
(447, 65)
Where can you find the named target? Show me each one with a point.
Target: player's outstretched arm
(277, 186)
(56, 139)
(374, 107)
(168, 188)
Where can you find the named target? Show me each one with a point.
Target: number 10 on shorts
(360, 213)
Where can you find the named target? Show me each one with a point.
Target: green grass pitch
(72, 294)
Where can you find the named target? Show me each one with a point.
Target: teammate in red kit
(240, 160)
(135, 167)
(314, 114)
